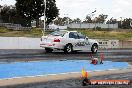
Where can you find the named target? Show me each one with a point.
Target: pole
(67, 19)
(91, 15)
(121, 21)
(44, 16)
(95, 19)
(108, 23)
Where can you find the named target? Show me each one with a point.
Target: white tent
(53, 26)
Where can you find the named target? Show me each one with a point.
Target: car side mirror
(86, 38)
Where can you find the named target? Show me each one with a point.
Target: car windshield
(58, 33)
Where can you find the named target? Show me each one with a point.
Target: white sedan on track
(68, 41)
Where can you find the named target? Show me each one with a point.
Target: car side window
(73, 35)
(81, 36)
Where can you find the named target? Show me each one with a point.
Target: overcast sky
(80, 8)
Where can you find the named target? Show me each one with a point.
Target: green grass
(121, 35)
(108, 34)
(4, 30)
(37, 33)
(10, 33)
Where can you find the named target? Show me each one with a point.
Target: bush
(98, 28)
(3, 30)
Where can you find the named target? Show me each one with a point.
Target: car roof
(68, 30)
(72, 31)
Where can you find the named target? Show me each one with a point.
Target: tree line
(26, 11)
(125, 23)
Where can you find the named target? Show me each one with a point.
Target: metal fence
(15, 26)
(92, 25)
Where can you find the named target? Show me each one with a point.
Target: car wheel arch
(94, 44)
(66, 47)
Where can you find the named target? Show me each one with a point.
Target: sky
(81, 8)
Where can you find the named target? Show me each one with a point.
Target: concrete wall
(92, 25)
(19, 43)
(34, 43)
(105, 43)
(125, 44)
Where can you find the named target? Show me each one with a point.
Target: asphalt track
(123, 55)
(76, 83)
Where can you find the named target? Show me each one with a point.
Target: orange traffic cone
(86, 74)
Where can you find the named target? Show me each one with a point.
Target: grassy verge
(10, 33)
(37, 33)
(122, 35)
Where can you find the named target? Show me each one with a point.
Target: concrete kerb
(54, 77)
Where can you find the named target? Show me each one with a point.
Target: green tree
(59, 21)
(51, 11)
(9, 15)
(126, 23)
(77, 20)
(100, 19)
(88, 19)
(66, 20)
(112, 21)
(5, 13)
(62, 21)
(34, 9)
(0, 6)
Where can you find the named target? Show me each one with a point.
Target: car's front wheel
(94, 48)
(48, 50)
(68, 48)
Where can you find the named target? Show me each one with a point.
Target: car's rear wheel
(48, 50)
(94, 48)
(68, 48)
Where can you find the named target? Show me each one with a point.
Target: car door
(74, 39)
(87, 44)
(82, 41)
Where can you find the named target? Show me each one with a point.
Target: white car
(68, 41)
